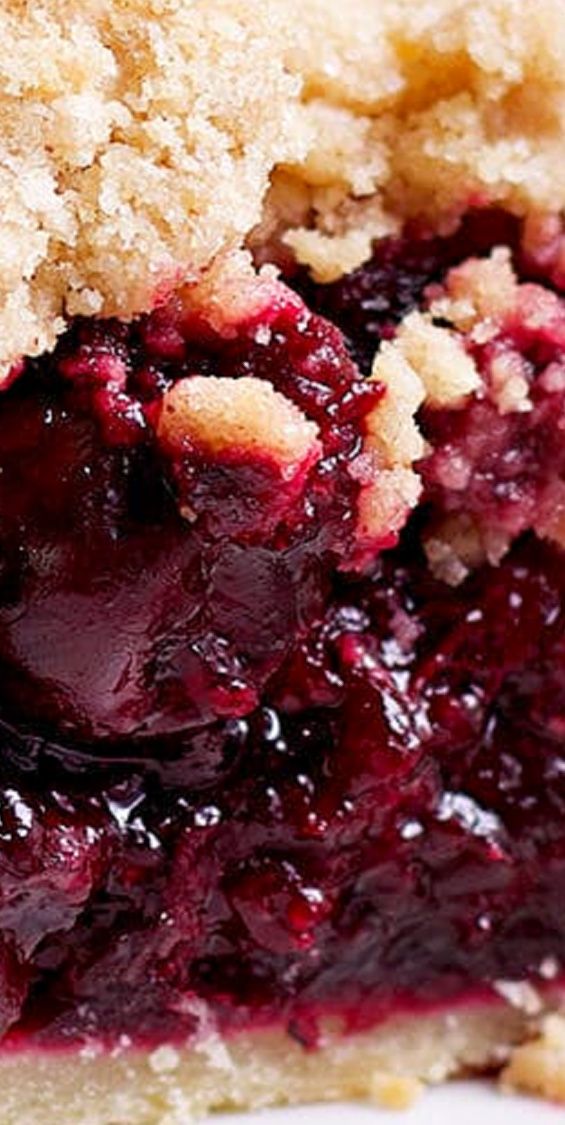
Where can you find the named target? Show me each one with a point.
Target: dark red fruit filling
(232, 768)
(505, 470)
(119, 618)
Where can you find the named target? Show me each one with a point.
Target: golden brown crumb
(477, 298)
(386, 498)
(232, 293)
(389, 486)
(246, 414)
(457, 546)
(509, 384)
(138, 139)
(538, 1067)
(449, 375)
(445, 103)
(423, 364)
(454, 549)
(479, 293)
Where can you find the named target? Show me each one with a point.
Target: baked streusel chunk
(138, 140)
(282, 521)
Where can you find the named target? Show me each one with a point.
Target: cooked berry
(235, 765)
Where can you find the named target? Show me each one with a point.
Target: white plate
(463, 1103)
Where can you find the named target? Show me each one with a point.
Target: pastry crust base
(172, 1085)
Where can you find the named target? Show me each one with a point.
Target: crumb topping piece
(424, 364)
(478, 294)
(232, 296)
(429, 109)
(133, 147)
(237, 417)
(446, 370)
(138, 141)
(389, 486)
(483, 468)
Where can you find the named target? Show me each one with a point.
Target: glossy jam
(119, 618)
(232, 770)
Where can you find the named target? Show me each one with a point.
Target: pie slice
(282, 572)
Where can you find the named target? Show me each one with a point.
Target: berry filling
(270, 739)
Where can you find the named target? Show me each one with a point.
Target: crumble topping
(238, 416)
(232, 294)
(458, 546)
(478, 293)
(424, 364)
(463, 104)
(447, 372)
(130, 155)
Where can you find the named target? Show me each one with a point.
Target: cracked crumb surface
(138, 140)
(129, 155)
(238, 416)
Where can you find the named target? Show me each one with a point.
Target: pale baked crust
(538, 1066)
(138, 140)
(171, 1086)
